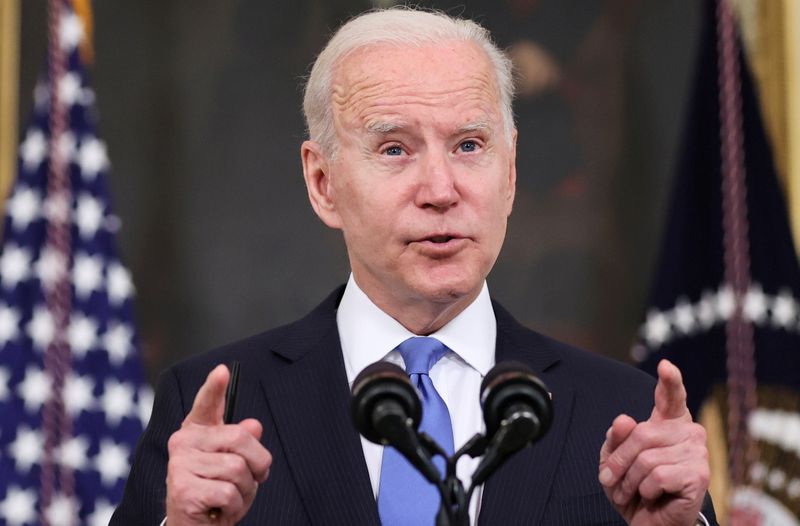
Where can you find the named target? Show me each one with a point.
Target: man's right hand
(211, 464)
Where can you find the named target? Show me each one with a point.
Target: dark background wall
(199, 102)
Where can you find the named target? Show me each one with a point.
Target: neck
(420, 316)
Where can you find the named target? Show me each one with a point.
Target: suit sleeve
(143, 502)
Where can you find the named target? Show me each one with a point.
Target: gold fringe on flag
(771, 34)
(9, 92)
(83, 8)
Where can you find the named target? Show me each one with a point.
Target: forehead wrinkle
(377, 111)
(361, 96)
(343, 93)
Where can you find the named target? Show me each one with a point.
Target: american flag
(70, 469)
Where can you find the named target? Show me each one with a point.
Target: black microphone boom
(517, 410)
(386, 410)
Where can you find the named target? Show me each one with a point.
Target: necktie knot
(420, 353)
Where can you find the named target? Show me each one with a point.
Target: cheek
(366, 214)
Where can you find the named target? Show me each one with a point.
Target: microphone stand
(454, 509)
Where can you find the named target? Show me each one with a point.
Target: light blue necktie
(405, 497)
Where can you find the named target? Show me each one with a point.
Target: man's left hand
(656, 472)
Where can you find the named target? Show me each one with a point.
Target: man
(412, 156)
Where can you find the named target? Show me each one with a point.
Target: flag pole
(9, 91)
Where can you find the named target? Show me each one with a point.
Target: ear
(317, 173)
(512, 173)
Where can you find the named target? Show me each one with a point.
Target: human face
(422, 181)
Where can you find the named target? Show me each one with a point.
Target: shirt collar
(368, 334)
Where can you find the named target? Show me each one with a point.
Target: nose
(437, 185)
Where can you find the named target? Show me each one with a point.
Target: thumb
(670, 395)
(209, 403)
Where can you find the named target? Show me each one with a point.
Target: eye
(468, 146)
(393, 151)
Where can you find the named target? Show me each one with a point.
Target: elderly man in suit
(412, 156)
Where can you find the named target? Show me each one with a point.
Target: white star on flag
(683, 316)
(726, 303)
(118, 341)
(50, 266)
(26, 449)
(706, 311)
(33, 150)
(41, 328)
(87, 274)
(9, 323)
(88, 215)
(34, 389)
(70, 32)
(120, 286)
(23, 207)
(18, 507)
(117, 401)
(784, 309)
(656, 328)
(78, 394)
(14, 265)
(755, 304)
(92, 157)
(112, 462)
(62, 511)
(74, 453)
(69, 90)
(82, 334)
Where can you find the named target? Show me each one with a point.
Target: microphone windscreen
(510, 384)
(379, 384)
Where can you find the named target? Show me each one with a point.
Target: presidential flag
(724, 304)
(73, 400)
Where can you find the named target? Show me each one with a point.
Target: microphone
(517, 410)
(386, 410)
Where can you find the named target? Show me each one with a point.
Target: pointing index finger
(670, 395)
(209, 403)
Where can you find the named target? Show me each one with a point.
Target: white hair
(403, 27)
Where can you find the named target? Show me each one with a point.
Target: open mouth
(440, 239)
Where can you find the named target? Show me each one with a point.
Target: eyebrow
(384, 127)
(474, 126)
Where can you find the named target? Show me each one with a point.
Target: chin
(448, 290)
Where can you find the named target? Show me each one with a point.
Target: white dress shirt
(368, 335)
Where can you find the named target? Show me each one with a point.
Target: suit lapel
(519, 491)
(310, 402)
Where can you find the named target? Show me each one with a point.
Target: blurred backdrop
(199, 104)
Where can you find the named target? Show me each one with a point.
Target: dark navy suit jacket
(293, 380)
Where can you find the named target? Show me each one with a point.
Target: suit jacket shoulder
(292, 379)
